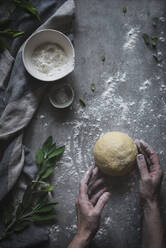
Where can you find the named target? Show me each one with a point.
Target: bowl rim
(48, 30)
(59, 87)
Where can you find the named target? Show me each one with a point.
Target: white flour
(48, 57)
(131, 38)
(112, 108)
(145, 85)
(108, 111)
(103, 113)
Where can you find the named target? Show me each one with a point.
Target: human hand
(150, 172)
(90, 203)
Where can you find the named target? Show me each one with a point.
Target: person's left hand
(150, 173)
(90, 203)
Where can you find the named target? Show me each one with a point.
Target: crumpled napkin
(18, 103)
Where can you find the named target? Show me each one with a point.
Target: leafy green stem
(34, 205)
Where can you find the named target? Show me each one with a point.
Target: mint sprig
(27, 7)
(6, 33)
(150, 40)
(34, 205)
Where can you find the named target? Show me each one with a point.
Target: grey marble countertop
(129, 97)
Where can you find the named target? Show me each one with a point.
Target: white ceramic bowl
(48, 36)
(61, 96)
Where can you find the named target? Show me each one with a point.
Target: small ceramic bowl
(49, 36)
(61, 96)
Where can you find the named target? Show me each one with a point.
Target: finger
(94, 175)
(140, 150)
(137, 142)
(94, 186)
(101, 202)
(95, 197)
(87, 175)
(152, 155)
(142, 166)
(95, 172)
(84, 181)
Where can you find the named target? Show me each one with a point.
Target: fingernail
(89, 169)
(107, 194)
(137, 142)
(143, 142)
(140, 157)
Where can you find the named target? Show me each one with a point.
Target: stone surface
(129, 97)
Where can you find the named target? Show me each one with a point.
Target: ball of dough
(115, 153)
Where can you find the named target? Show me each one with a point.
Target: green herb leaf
(37, 218)
(27, 7)
(47, 208)
(40, 182)
(26, 201)
(157, 58)
(10, 33)
(93, 87)
(42, 170)
(27, 197)
(124, 9)
(17, 33)
(56, 152)
(103, 58)
(154, 21)
(39, 156)
(48, 173)
(42, 199)
(46, 164)
(82, 102)
(21, 226)
(52, 149)
(34, 203)
(146, 38)
(47, 145)
(48, 188)
(154, 41)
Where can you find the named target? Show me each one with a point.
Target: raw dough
(115, 153)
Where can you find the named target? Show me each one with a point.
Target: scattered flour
(110, 109)
(42, 117)
(46, 124)
(162, 39)
(162, 19)
(145, 85)
(106, 112)
(131, 38)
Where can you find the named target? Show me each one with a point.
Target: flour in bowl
(48, 57)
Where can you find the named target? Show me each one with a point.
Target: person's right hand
(150, 172)
(89, 205)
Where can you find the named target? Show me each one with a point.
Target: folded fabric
(18, 104)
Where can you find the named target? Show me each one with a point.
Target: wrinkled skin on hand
(150, 172)
(90, 203)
